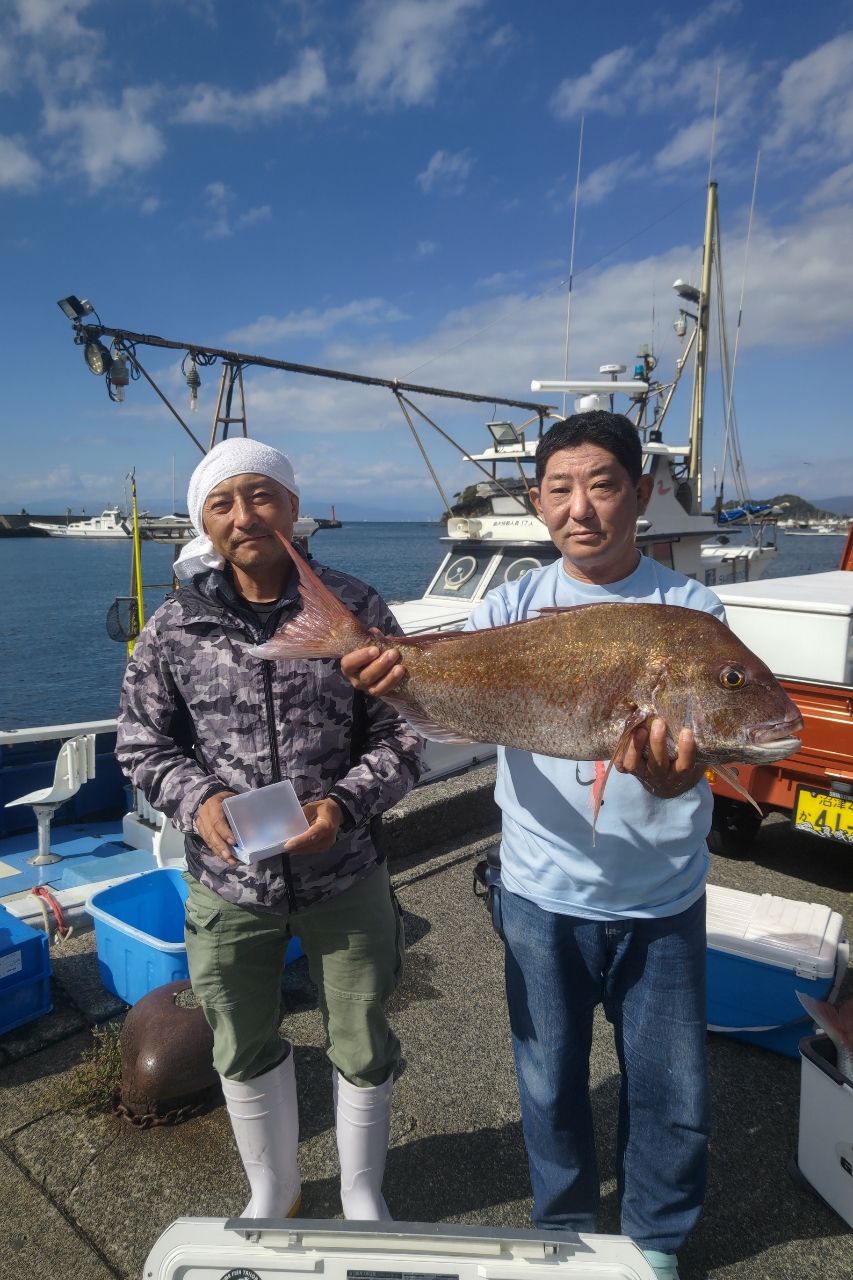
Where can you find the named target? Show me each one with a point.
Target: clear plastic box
(263, 819)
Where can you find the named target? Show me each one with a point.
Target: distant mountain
(838, 506)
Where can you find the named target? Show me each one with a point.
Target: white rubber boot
(362, 1125)
(265, 1120)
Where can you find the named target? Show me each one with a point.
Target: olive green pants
(354, 945)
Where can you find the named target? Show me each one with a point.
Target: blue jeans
(650, 977)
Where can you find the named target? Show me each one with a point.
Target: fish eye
(732, 678)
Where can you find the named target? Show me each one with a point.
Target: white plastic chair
(75, 765)
(168, 848)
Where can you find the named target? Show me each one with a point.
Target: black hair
(611, 431)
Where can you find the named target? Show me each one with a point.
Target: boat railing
(55, 732)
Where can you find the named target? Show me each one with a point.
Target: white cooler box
(802, 627)
(825, 1149)
(215, 1249)
(762, 950)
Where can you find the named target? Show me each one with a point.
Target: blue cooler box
(24, 972)
(139, 933)
(762, 950)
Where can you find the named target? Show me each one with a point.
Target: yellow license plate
(824, 814)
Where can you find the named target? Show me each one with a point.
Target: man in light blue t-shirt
(619, 923)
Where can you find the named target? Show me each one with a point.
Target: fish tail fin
(835, 1020)
(323, 628)
(729, 776)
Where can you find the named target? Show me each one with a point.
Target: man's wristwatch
(347, 820)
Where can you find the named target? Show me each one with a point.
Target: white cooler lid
(801, 936)
(830, 592)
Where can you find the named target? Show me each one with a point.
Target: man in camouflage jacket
(202, 718)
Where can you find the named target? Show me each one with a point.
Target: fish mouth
(771, 750)
(778, 731)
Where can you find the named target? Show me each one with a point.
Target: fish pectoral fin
(735, 783)
(426, 727)
(635, 719)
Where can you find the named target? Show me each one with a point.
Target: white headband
(236, 457)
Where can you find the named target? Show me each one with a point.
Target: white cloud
(596, 186)
(406, 46)
(593, 91)
(689, 144)
(836, 188)
(219, 198)
(210, 104)
(500, 280)
(57, 19)
(814, 103)
(447, 172)
(151, 204)
(19, 171)
(104, 141)
(312, 322)
(425, 248)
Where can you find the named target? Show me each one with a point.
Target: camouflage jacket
(199, 714)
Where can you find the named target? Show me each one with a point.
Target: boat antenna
(572, 262)
(714, 126)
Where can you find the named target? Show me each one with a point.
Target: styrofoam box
(300, 1249)
(762, 950)
(825, 1148)
(802, 627)
(24, 972)
(139, 933)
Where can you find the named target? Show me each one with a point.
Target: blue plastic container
(139, 933)
(24, 972)
(762, 950)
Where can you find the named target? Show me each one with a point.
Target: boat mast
(697, 411)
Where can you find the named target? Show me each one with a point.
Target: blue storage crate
(24, 972)
(139, 933)
(762, 950)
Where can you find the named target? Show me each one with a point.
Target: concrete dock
(86, 1194)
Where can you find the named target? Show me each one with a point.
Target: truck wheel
(734, 826)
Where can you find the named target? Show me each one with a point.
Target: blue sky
(387, 186)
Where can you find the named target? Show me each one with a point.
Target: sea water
(58, 665)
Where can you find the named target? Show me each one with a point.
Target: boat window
(710, 577)
(461, 573)
(511, 568)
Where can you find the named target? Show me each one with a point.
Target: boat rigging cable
(731, 429)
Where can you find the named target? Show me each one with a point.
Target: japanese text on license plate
(824, 814)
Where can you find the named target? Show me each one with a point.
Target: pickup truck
(803, 629)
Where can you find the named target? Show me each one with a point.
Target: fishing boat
(110, 831)
(109, 524)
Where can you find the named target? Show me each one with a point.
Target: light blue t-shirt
(650, 856)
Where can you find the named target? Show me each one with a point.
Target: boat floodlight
(75, 308)
(505, 434)
(680, 325)
(688, 292)
(97, 357)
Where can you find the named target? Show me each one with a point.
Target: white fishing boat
(109, 524)
(177, 529)
(498, 540)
